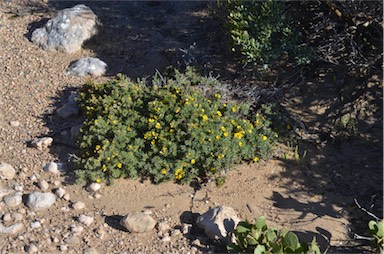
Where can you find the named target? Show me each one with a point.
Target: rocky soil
(138, 38)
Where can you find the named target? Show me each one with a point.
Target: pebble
(166, 239)
(43, 185)
(138, 222)
(78, 205)
(31, 248)
(40, 200)
(7, 171)
(60, 192)
(97, 195)
(72, 239)
(17, 216)
(13, 229)
(52, 167)
(86, 220)
(77, 230)
(63, 247)
(15, 123)
(66, 197)
(13, 200)
(56, 183)
(93, 187)
(42, 143)
(7, 217)
(163, 226)
(36, 224)
(90, 251)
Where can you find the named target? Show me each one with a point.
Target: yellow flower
(177, 110)
(218, 96)
(217, 137)
(222, 128)
(158, 126)
(98, 180)
(225, 134)
(212, 169)
(109, 158)
(179, 173)
(238, 135)
(240, 144)
(233, 122)
(193, 161)
(151, 120)
(171, 130)
(153, 142)
(288, 127)
(114, 121)
(205, 117)
(104, 167)
(219, 113)
(97, 147)
(220, 156)
(119, 165)
(256, 159)
(265, 138)
(250, 131)
(187, 103)
(234, 109)
(257, 122)
(163, 171)
(202, 110)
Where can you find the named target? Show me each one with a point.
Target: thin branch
(365, 210)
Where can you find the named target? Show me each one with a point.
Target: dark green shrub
(164, 132)
(261, 31)
(258, 238)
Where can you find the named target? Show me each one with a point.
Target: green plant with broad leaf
(376, 230)
(258, 238)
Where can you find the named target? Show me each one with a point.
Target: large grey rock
(87, 66)
(40, 200)
(219, 223)
(138, 222)
(7, 171)
(68, 30)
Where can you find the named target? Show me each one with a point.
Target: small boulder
(52, 167)
(42, 143)
(86, 220)
(78, 205)
(11, 230)
(138, 222)
(219, 223)
(93, 187)
(68, 30)
(40, 200)
(7, 171)
(87, 66)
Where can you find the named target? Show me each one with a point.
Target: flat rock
(40, 200)
(138, 222)
(13, 200)
(11, 230)
(68, 30)
(7, 171)
(42, 143)
(78, 205)
(86, 220)
(218, 223)
(87, 66)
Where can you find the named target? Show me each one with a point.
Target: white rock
(68, 30)
(13, 200)
(87, 66)
(14, 123)
(7, 171)
(40, 200)
(7, 217)
(11, 230)
(86, 220)
(4, 192)
(42, 143)
(138, 222)
(60, 192)
(17, 216)
(166, 239)
(78, 205)
(90, 251)
(63, 247)
(163, 226)
(93, 187)
(72, 239)
(36, 224)
(77, 230)
(43, 185)
(66, 197)
(218, 223)
(52, 167)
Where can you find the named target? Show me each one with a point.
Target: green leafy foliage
(258, 238)
(261, 31)
(165, 132)
(376, 229)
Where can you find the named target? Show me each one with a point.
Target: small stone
(163, 226)
(15, 123)
(138, 222)
(176, 232)
(33, 178)
(66, 197)
(7, 171)
(90, 251)
(43, 185)
(86, 220)
(7, 217)
(100, 233)
(55, 240)
(186, 229)
(17, 216)
(52, 167)
(63, 247)
(11, 230)
(166, 239)
(36, 224)
(93, 187)
(30, 248)
(39, 200)
(97, 195)
(56, 183)
(19, 187)
(60, 192)
(72, 239)
(78, 205)
(13, 199)
(77, 230)
(87, 66)
(42, 143)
